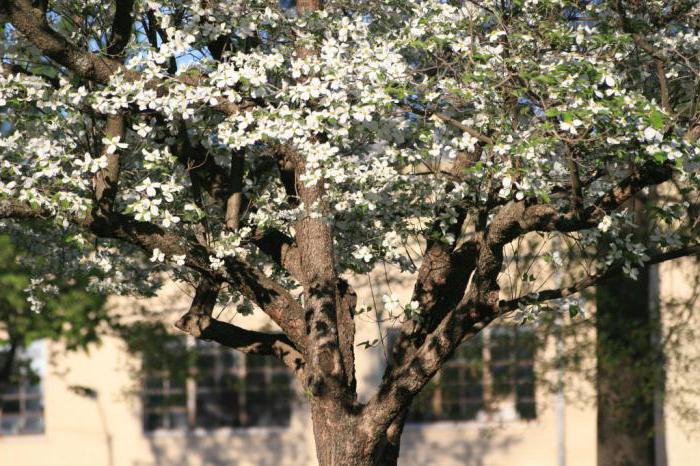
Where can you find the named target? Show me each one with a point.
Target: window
(491, 374)
(21, 400)
(223, 388)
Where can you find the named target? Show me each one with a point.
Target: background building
(485, 408)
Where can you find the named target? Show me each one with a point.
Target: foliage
(71, 314)
(263, 152)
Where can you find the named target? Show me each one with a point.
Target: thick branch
(105, 182)
(205, 327)
(442, 277)
(210, 177)
(270, 296)
(199, 323)
(234, 203)
(517, 218)
(31, 22)
(592, 280)
(121, 27)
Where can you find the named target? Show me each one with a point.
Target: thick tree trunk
(342, 439)
(628, 372)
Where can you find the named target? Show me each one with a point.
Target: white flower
(91, 165)
(142, 129)
(556, 259)
(570, 126)
(148, 186)
(179, 259)
(652, 134)
(631, 272)
(412, 307)
(158, 255)
(363, 113)
(605, 224)
(168, 189)
(169, 219)
(607, 80)
(363, 253)
(146, 209)
(507, 182)
(111, 145)
(391, 302)
(216, 262)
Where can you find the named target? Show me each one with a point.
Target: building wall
(107, 430)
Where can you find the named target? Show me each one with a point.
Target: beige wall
(108, 431)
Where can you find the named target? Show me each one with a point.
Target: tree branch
(267, 294)
(121, 27)
(32, 23)
(199, 323)
(269, 344)
(234, 203)
(592, 280)
(270, 296)
(106, 180)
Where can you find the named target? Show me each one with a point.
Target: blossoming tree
(264, 151)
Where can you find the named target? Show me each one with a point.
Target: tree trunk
(342, 439)
(628, 372)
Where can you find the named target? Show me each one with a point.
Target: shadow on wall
(255, 446)
(447, 446)
(267, 448)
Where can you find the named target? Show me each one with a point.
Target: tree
(264, 152)
(72, 316)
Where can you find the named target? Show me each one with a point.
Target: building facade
(113, 408)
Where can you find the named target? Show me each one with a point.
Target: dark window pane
(153, 383)
(153, 421)
(10, 425)
(178, 420)
(526, 410)
(10, 406)
(155, 401)
(33, 425)
(33, 389)
(21, 407)
(11, 389)
(457, 393)
(33, 404)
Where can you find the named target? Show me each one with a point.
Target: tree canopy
(263, 151)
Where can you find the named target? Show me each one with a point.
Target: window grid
(494, 365)
(21, 402)
(225, 388)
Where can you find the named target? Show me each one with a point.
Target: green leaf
(574, 311)
(656, 119)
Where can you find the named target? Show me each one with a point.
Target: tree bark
(628, 372)
(345, 438)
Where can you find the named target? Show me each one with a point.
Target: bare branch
(592, 280)
(205, 327)
(121, 27)
(105, 181)
(198, 322)
(467, 129)
(234, 203)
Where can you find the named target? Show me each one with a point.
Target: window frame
(490, 401)
(32, 359)
(193, 388)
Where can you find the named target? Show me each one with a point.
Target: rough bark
(345, 438)
(457, 288)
